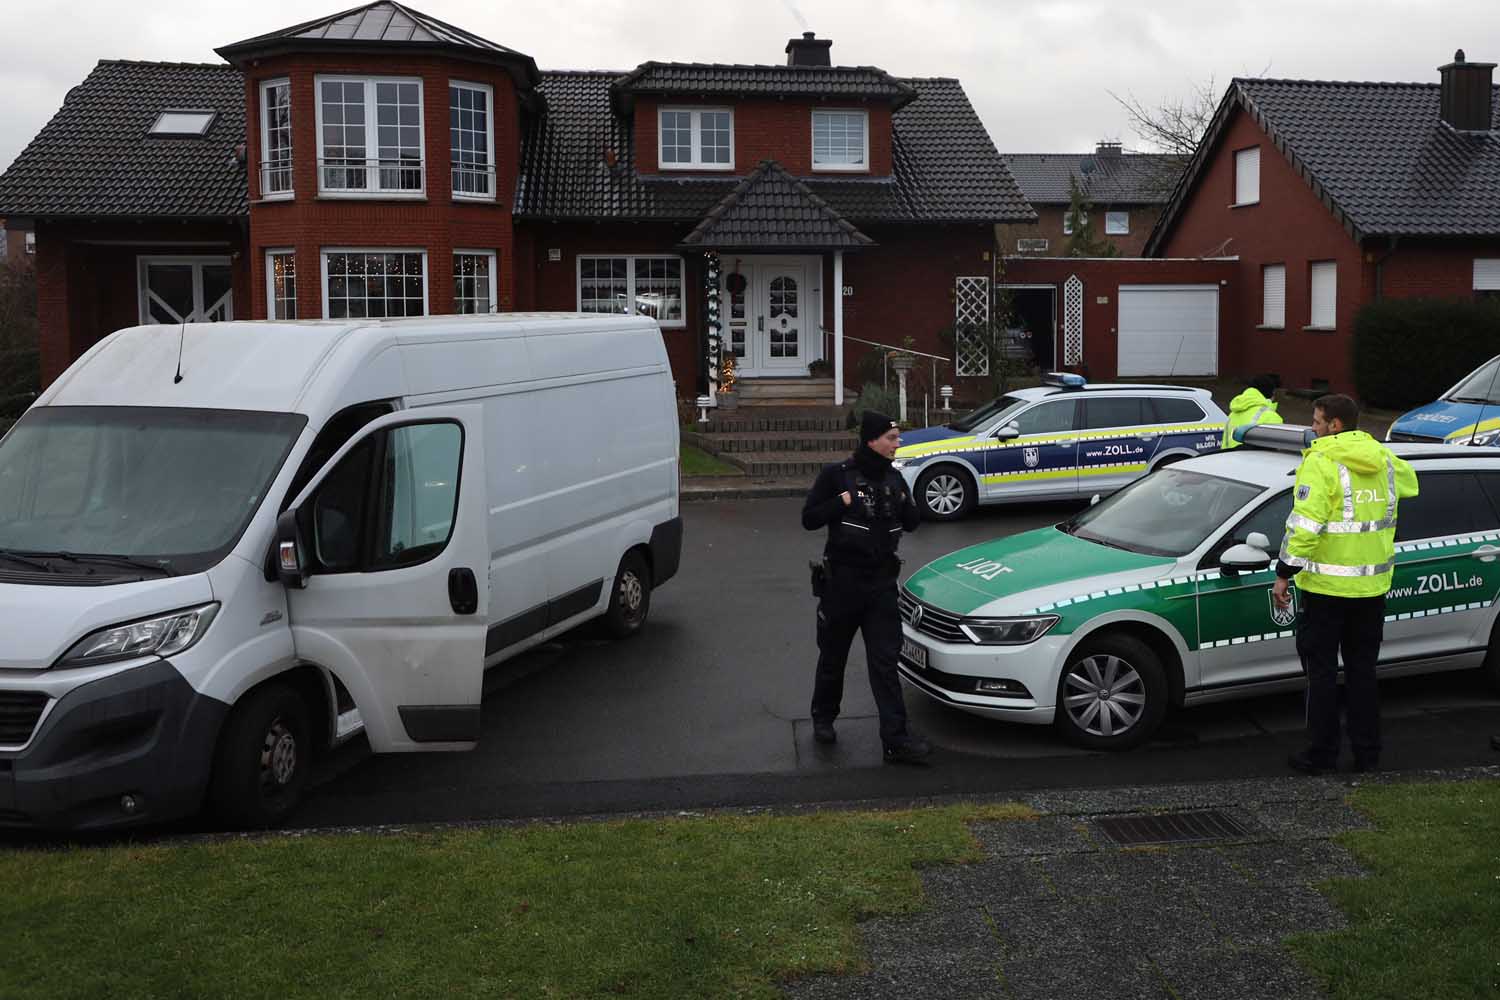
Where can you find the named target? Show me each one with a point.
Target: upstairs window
(30, 242)
(276, 138)
(1116, 223)
(1083, 220)
(1486, 277)
(370, 136)
(471, 140)
(186, 123)
(840, 140)
(1247, 176)
(1323, 279)
(695, 139)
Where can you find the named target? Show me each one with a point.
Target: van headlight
(162, 636)
(1007, 631)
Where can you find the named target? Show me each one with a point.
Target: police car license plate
(914, 654)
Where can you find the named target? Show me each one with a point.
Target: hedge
(1409, 351)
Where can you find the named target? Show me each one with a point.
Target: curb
(748, 492)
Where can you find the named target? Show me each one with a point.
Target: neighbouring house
(1330, 195)
(16, 243)
(379, 162)
(1124, 193)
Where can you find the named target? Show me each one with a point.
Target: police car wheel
(262, 760)
(630, 600)
(1112, 694)
(1492, 658)
(945, 493)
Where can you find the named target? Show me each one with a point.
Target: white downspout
(838, 328)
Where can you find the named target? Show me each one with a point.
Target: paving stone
(977, 884)
(1268, 914)
(1320, 818)
(1043, 835)
(1099, 975)
(1236, 974)
(1297, 862)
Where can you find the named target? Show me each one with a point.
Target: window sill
(717, 168)
(821, 168)
(272, 199)
(475, 199)
(416, 196)
(1279, 326)
(1319, 329)
(1245, 204)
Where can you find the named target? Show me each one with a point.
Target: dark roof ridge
(671, 64)
(772, 170)
(584, 72)
(1300, 81)
(928, 79)
(168, 64)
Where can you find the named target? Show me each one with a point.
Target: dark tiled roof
(1376, 154)
(771, 208)
(95, 158)
(1121, 178)
(945, 168)
(823, 82)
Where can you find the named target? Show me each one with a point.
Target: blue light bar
(1064, 380)
(1275, 437)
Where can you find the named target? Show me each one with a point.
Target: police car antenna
(181, 333)
(1488, 395)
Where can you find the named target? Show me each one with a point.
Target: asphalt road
(709, 707)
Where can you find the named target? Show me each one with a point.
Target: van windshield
(104, 489)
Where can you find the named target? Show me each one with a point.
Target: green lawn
(705, 907)
(697, 462)
(1426, 922)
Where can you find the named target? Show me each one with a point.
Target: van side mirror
(1244, 558)
(291, 564)
(1008, 433)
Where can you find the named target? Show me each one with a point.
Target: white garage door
(1169, 330)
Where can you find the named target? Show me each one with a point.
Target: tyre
(945, 493)
(630, 600)
(263, 758)
(1491, 665)
(1112, 694)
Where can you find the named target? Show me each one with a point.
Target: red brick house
(380, 162)
(1330, 195)
(1124, 193)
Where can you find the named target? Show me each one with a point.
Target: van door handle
(463, 591)
(760, 324)
(1486, 553)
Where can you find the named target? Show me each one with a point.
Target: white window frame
(1273, 297)
(494, 277)
(1246, 177)
(1486, 274)
(1083, 217)
(630, 292)
(1328, 321)
(208, 114)
(863, 167)
(325, 252)
(1039, 244)
(697, 163)
(29, 241)
(271, 281)
(265, 142)
(489, 140)
(1120, 216)
(197, 263)
(372, 139)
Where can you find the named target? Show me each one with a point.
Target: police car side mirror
(1008, 433)
(1093, 500)
(1258, 540)
(1244, 558)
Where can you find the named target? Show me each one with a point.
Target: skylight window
(185, 123)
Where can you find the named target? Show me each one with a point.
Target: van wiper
(79, 559)
(17, 557)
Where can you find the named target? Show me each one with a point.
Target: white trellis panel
(971, 320)
(1073, 321)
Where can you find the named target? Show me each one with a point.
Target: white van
(225, 547)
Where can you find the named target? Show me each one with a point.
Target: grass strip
(722, 906)
(697, 462)
(1426, 922)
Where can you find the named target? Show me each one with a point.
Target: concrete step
(784, 464)
(796, 441)
(775, 418)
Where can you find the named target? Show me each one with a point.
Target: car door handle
(1149, 436)
(1486, 553)
(463, 591)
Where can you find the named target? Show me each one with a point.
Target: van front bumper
(131, 748)
(953, 671)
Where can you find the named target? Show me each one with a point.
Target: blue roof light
(1064, 380)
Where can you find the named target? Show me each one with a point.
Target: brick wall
(1049, 226)
(768, 130)
(1429, 268)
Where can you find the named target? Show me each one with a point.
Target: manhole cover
(1171, 828)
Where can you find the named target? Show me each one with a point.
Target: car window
(1169, 512)
(1481, 386)
(1047, 418)
(1119, 411)
(1177, 411)
(1269, 519)
(1448, 503)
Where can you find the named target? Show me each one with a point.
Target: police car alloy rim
(1104, 695)
(278, 757)
(945, 494)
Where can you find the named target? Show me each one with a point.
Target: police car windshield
(996, 408)
(1481, 387)
(1167, 513)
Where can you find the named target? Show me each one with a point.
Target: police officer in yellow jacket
(1340, 546)
(1256, 405)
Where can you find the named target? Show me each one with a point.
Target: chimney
(808, 51)
(1104, 147)
(1467, 94)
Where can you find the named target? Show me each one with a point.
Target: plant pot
(903, 362)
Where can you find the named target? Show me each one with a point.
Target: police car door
(1115, 445)
(1036, 453)
(1243, 637)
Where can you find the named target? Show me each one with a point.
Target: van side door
(393, 546)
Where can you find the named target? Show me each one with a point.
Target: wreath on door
(735, 283)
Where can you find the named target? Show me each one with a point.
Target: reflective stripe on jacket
(1341, 533)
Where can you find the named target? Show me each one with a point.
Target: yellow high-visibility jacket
(1341, 535)
(1249, 407)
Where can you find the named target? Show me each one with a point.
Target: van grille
(934, 622)
(19, 711)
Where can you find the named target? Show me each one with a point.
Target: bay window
(474, 281)
(374, 283)
(471, 137)
(276, 139)
(370, 136)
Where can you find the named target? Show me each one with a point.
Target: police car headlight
(1007, 631)
(900, 463)
(1486, 438)
(153, 637)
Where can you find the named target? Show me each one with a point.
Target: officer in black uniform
(865, 506)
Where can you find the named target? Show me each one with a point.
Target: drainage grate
(1171, 828)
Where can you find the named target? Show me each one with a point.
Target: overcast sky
(1039, 72)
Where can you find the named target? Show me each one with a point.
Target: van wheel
(1112, 694)
(263, 758)
(630, 601)
(945, 493)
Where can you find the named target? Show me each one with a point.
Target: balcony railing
(275, 177)
(360, 175)
(473, 180)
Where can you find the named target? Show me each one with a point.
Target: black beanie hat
(872, 425)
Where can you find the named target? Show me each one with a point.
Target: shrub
(873, 397)
(1409, 351)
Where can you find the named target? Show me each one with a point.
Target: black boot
(823, 732)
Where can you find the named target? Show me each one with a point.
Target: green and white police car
(1160, 595)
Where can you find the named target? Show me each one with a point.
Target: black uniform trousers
(1355, 626)
(861, 600)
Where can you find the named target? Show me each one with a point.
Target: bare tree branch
(1173, 127)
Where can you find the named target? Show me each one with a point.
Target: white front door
(185, 289)
(394, 536)
(781, 318)
(773, 321)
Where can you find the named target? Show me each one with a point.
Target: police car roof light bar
(1275, 437)
(1064, 380)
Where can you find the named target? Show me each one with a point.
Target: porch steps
(803, 391)
(793, 465)
(744, 420)
(785, 443)
(725, 444)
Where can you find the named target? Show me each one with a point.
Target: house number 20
(848, 290)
